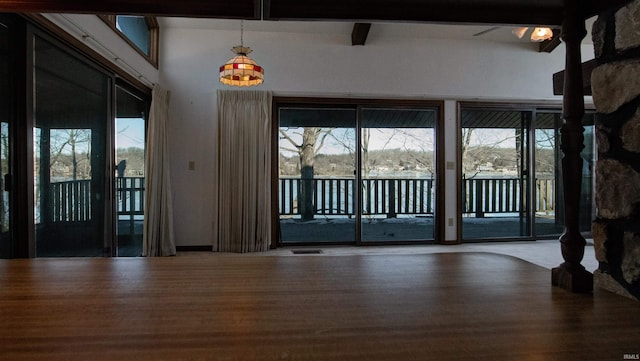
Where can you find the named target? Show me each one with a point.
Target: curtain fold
(158, 235)
(243, 182)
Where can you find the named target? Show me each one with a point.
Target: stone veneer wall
(615, 84)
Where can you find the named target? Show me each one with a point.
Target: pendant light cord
(242, 33)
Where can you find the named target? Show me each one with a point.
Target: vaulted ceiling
(529, 12)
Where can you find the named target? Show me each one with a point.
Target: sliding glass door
(352, 174)
(495, 173)
(398, 174)
(63, 185)
(71, 102)
(512, 175)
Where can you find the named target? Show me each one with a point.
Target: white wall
(327, 65)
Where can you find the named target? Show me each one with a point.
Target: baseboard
(193, 248)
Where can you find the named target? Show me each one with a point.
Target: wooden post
(479, 198)
(392, 199)
(571, 275)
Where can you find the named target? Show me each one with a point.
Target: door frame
(16, 61)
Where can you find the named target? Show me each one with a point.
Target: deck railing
(389, 197)
(71, 200)
(401, 196)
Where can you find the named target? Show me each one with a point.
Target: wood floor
(448, 306)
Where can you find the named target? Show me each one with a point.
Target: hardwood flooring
(445, 306)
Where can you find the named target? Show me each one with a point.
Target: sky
(342, 140)
(129, 133)
(420, 139)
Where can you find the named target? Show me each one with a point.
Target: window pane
(588, 154)
(316, 183)
(494, 174)
(130, 140)
(398, 174)
(549, 219)
(136, 29)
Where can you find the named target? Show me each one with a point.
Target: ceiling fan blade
(486, 31)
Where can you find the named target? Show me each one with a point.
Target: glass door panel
(588, 154)
(398, 174)
(71, 117)
(548, 198)
(316, 197)
(5, 154)
(495, 174)
(130, 145)
(547, 195)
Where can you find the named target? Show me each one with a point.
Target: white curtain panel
(158, 236)
(243, 185)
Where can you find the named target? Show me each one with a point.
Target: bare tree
(488, 150)
(313, 139)
(74, 144)
(545, 150)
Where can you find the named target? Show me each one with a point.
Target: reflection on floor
(334, 229)
(542, 253)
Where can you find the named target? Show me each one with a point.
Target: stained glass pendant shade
(241, 70)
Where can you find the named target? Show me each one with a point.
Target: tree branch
(287, 137)
(325, 134)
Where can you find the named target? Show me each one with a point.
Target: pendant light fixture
(541, 34)
(537, 35)
(241, 70)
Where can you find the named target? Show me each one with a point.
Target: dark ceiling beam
(587, 68)
(505, 12)
(359, 33)
(227, 9)
(452, 11)
(550, 45)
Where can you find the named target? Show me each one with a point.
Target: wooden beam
(231, 9)
(360, 33)
(587, 68)
(550, 45)
(461, 11)
(571, 274)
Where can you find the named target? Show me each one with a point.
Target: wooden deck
(448, 306)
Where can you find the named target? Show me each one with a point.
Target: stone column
(616, 94)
